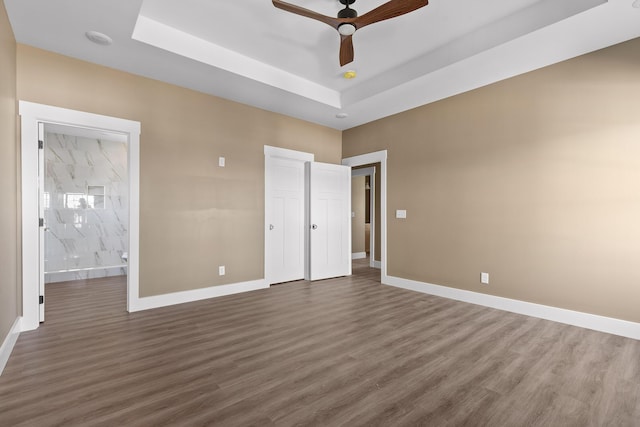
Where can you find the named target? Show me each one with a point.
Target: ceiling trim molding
(173, 40)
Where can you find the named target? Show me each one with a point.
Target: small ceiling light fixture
(342, 116)
(636, 4)
(99, 38)
(347, 29)
(351, 74)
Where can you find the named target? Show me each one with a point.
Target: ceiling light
(342, 116)
(349, 75)
(99, 38)
(636, 4)
(347, 29)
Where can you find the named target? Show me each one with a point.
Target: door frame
(283, 153)
(31, 115)
(365, 159)
(371, 173)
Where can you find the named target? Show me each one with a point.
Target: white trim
(171, 39)
(7, 345)
(377, 264)
(363, 171)
(358, 255)
(365, 159)
(76, 270)
(285, 153)
(32, 114)
(165, 300)
(576, 318)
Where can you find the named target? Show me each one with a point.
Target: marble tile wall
(86, 233)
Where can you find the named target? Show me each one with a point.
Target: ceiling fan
(348, 20)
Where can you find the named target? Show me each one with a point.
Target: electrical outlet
(221, 271)
(484, 278)
(221, 162)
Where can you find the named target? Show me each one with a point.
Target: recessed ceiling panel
(251, 52)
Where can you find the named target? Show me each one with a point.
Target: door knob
(271, 227)
(314, 226)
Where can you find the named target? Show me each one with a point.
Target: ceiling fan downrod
(347, 12)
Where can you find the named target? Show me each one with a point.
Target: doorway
(84, 204)
(34, 119)
(364, 160)
(365, 197)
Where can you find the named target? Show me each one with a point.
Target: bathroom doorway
(84, 204)
(34, 118)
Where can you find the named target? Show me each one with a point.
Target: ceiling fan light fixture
(347, 29)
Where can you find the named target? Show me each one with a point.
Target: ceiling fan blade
(334, 22)
(390, 9)
(346, 50)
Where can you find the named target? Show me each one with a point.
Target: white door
(285, 220)
(329, 220)
(41, 206)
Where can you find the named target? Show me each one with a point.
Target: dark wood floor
(345, 351)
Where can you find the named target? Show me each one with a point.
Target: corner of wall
(9, 342)
(9, 225)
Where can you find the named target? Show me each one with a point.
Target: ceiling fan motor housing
(348, 13)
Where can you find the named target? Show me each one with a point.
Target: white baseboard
(147, 303)
(358, 255)
(576, 318)
(377, 264)
(9, 342)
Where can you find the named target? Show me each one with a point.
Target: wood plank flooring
(346, 351)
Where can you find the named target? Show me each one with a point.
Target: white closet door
(285, 220)
(329, 220)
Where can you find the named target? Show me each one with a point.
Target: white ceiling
(249, 51)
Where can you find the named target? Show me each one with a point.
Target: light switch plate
(221, 270)
(401, 213)
(221, 162)
(484, 278)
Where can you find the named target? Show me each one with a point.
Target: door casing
(32, 115)
(366, 159)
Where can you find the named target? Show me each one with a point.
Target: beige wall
(195, 216)
(9, 298)
(357, 220)
(535, 180)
